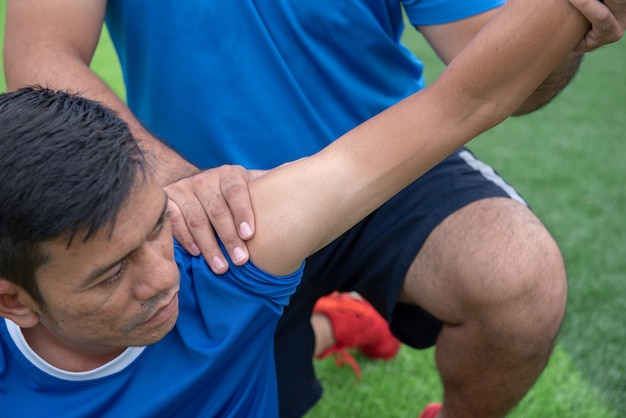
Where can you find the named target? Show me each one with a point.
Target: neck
(62, 356)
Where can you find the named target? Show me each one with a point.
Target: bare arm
(51, 43)
(449, 39)
(303, 206)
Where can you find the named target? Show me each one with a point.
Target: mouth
(163, 314)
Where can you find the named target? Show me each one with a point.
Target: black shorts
(372, 259)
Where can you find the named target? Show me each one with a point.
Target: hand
(213, 199)
(608, 22)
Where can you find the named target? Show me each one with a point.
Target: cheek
(154, 271)
(78, 321)
(91, 311)
(98, 311)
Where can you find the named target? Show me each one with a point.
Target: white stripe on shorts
(489, 173)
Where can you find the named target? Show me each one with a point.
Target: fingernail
(239, 254)
(218, 263)
(245, 230)
(195, 251)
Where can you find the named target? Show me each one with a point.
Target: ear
(17, 305)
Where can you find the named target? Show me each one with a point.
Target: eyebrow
(95, 274)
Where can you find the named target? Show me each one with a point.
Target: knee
(494, 269)
(529, 297)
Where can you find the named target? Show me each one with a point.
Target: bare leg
(345, 320)
(496, 278)
(324, 336)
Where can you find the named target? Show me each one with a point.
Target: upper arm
(448, 39)
(292, 205)
(43, 31)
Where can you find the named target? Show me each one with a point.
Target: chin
(156, 334)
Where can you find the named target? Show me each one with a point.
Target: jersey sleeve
(276, 288)
(247, 279)
(433, 12)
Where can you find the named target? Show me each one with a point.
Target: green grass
(568, 160)
(400, 388)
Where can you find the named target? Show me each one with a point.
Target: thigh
(481, 258)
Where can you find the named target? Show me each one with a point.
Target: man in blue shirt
(103, 315)
(456, 259)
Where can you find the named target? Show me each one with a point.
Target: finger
(179, 229)
(605, 26)
(237, 196)
(220, 217)
(191, 227)
(618, 11)
(206, 212)
(199, 225)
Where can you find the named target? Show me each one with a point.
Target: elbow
(552, 86)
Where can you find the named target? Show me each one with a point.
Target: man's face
(109, 293)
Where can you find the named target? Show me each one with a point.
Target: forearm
(553, 85)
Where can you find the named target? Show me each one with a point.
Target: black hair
(67, 165)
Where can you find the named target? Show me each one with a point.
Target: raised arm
(303, 206)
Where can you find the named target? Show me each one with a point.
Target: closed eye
(117, 275)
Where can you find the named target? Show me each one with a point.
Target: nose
(157, 272)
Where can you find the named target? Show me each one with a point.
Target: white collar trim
(117, 364)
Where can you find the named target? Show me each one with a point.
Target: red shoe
(356, 324)
(431, 410)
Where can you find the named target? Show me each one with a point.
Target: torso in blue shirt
(262, 82)
(218, 361)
